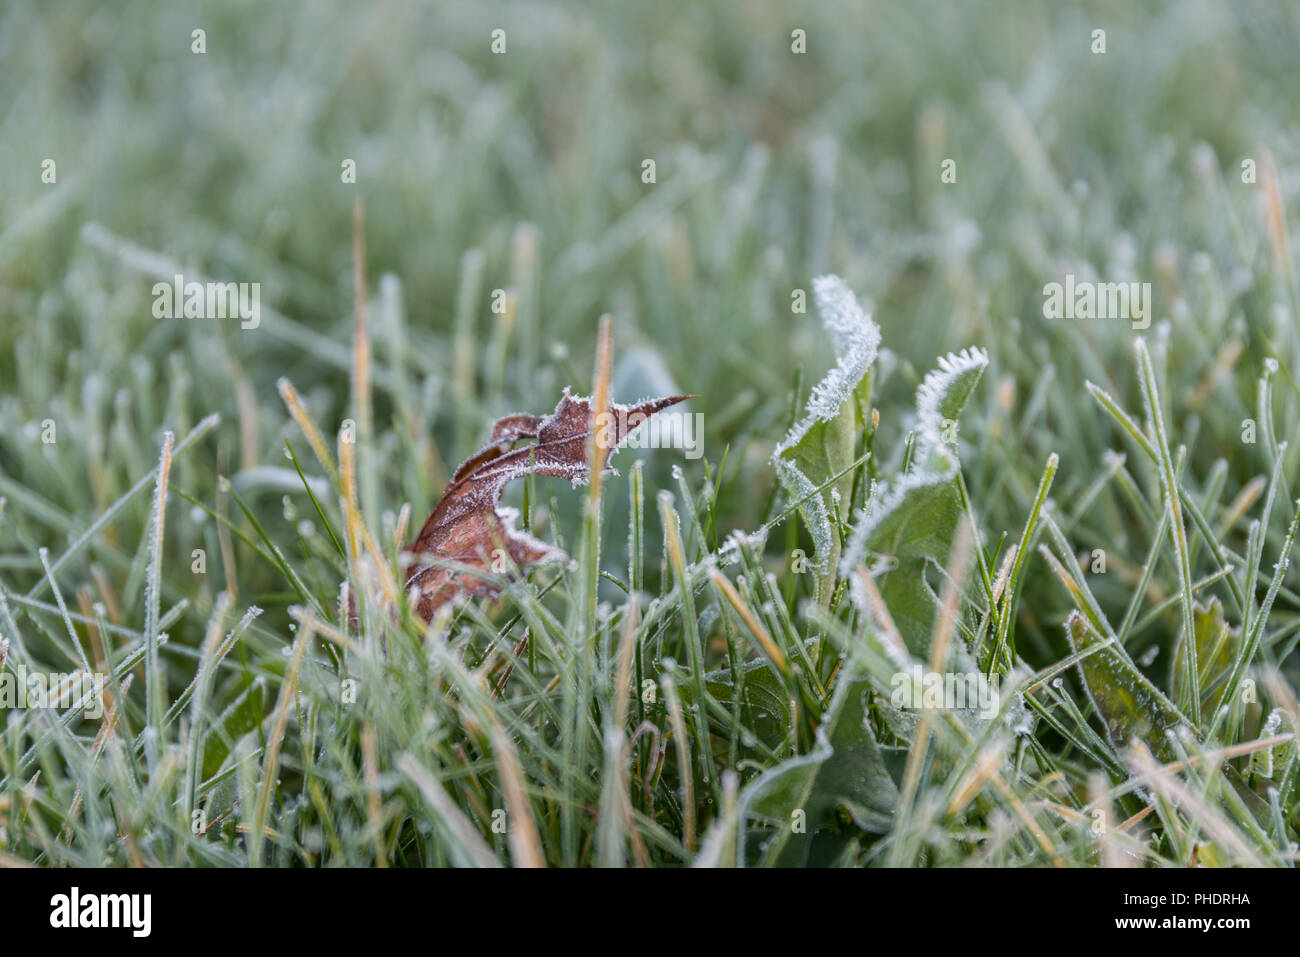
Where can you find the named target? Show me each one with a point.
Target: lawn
(971, 546)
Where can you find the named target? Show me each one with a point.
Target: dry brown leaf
(469, 524)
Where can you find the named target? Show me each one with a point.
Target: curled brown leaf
(469, 525)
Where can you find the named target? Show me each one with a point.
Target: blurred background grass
(771, 168)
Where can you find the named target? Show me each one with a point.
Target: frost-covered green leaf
(1272, 762)
(1130, 706)
(822, 796)
(1217, 647)
(820, 445)
(914, 516)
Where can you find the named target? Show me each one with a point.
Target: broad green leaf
(815, 802)
(820, 446)
(765, 700)
(1217, 647)
(914, 517)
(1129, 705)
(243, 716)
